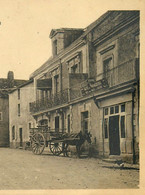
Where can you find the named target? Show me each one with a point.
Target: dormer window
(63, 37)
(55, 47)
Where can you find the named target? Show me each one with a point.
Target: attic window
(55, 47)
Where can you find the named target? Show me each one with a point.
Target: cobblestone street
(21, 169)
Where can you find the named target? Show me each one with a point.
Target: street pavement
(22, 170)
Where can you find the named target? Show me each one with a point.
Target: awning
(44, 84)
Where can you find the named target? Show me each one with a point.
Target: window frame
(19, 110)
(1, 116)
(18, 94)
(68, 123)
(56, 83)
(124, 126)
(13, 132)
(120, 115)
(84, 120)
(106, 137)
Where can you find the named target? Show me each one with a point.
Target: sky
(26, 24)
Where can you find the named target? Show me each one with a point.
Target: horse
(75, 140)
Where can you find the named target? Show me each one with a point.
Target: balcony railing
(122, 73)
(45, 103)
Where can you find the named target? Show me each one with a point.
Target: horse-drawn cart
(57, 141)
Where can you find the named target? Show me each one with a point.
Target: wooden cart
(57, 141)
(42, 137)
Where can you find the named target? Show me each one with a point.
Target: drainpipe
(133, 141)
(103, 132)
(60, 74)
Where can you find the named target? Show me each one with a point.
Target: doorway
(114, 140)
(21, 137)
(84, 121)
(57, 124)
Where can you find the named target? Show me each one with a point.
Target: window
(55, 47)
(68, 123)
(30, 106)
(111, 110)
(18, 93)
(57, 124)
(106, 127)
(42, 94)
(18, 109)
(1, 116)
(107, 67)
(116, 109)
(85, 121)
(29, 125)
(13, 132)
(56, 79)
(122, 126)
(123, 108)
(106, 111)
(74, 69)
(46, 94)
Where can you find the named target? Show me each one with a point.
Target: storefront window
(111, 110)
(116, 109)
(106, 111)
(122, 126)
(123, 108)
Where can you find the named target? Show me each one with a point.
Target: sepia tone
(82, 104)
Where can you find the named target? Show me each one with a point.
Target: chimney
(10, 79)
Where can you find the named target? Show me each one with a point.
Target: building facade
(6, 85)
(92, 84)
(20, 119)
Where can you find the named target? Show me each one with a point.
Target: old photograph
(69, 96)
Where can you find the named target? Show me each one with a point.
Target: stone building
(20, 119)
(91, 83)
(6, 85)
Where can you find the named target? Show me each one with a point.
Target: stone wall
(4, 123)
(23, 121)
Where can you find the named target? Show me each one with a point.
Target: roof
(3, 93)
(4, 83)
(62, 30)
(87, 30)
(7, 86)
(22, 85)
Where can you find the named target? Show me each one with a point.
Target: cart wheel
(37, 143)
(68, 151)
(55, 148)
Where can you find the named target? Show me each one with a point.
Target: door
(21, 137)
(57, 124)
(84, 118)
(114, 140)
